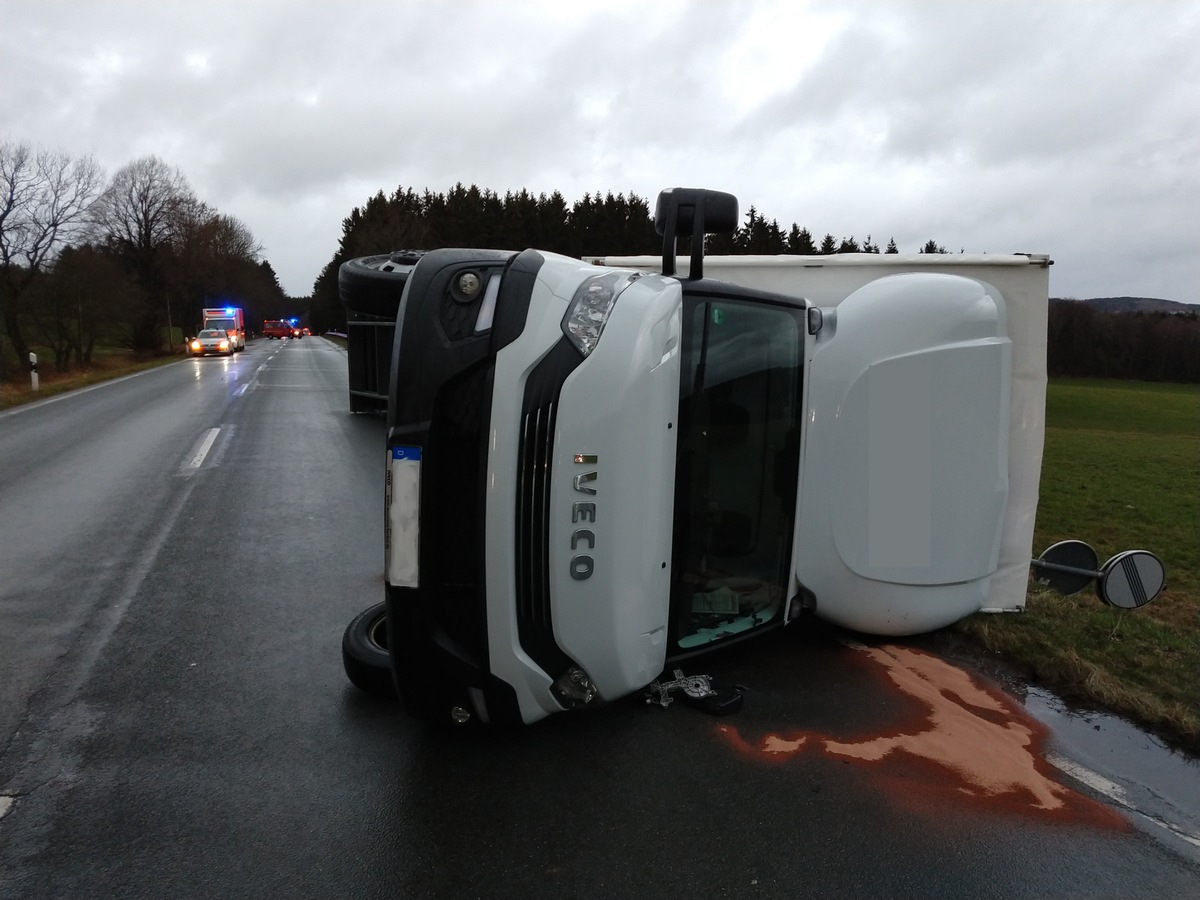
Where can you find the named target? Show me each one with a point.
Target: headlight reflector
(591, 306)
(574, 689)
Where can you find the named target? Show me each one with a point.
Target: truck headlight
(591, 306)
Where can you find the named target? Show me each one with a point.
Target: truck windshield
(736, 474)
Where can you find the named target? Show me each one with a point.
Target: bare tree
(141, 217)
(82, 301)
(216, 256)
(44, 198)
(229, 237)
(144, 205)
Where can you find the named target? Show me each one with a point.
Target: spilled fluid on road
(966, 743)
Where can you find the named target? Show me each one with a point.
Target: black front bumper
(440, 400)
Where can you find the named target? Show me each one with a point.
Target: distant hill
(1138, 304)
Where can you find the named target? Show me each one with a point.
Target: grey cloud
(1066, 128)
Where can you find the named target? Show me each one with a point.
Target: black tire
(365, 652)
(373, 284)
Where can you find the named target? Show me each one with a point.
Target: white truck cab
(597, 469)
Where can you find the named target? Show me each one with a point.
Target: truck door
(904, 472)
(740, 415)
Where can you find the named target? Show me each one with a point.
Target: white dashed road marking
(202, 451)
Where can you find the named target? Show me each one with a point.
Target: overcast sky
(1068, 128)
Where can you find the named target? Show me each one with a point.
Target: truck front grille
(533, 514)
(539, 412)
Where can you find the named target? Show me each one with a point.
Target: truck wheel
(365, 286)
(365, 652)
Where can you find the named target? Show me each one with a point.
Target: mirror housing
(692, 212)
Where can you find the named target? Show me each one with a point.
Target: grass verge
(1121, 470)
(105, 367)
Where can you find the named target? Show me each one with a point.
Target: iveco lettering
(583, 565)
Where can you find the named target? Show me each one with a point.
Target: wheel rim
(377, 632)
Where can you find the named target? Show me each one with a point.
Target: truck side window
(740, 396)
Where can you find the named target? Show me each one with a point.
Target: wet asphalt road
(175, 720)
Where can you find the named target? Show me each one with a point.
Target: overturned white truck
(600, 468)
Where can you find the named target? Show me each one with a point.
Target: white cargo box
(1022, 279)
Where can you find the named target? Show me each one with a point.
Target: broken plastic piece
(694, 686)
(698, 690)
(721, 702)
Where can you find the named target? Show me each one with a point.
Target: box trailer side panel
(1023, 280)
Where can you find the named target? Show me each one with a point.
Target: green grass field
(1121, 471)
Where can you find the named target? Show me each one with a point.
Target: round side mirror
(1075, 556)
(1131, 579)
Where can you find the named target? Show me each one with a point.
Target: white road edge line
(1114, 792)
(66, 395)
(202, 451)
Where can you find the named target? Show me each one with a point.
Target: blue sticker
(406, 453)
